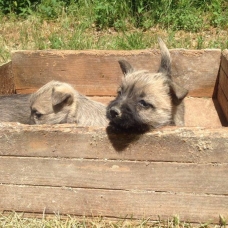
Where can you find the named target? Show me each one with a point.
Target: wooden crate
(96, 172)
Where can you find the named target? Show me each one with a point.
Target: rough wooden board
(98, 72)
(159, 171)
(6, 79)
(224, 61)
(125, 175)
(113, 203)
(223, 101)
(203, 112)
(222, 87)
(223, 82)
(197, 70)
(173, 144)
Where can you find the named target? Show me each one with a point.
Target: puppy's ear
(125, 66)
(165, 65)
(177, 92)
(62, 95)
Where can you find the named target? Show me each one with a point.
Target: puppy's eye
(37, 114)
(145, 104)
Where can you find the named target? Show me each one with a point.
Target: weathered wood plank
(203, 112)
(6, 79)
(113, 203)
(125, 175)
(224, 61)
(197, 70)
(202, 145)
(223, 101)
(222, 87)
(98, 72)
(223, 82)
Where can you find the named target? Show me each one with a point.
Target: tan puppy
(148, 100)
(58, 102)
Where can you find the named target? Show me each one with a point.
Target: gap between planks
(147, 162)
(113, 190)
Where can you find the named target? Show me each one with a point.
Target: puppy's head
(145, 100)
(52, 104)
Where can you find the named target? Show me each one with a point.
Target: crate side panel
(97, 73)
(224, 61)
(113, 203)
(166, 144)
(125, 175)
(223, 101)
(223, 82)
(202, 112)
(6, 79)
(193, 69)
(90, 72)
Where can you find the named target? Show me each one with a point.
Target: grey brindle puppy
(148, 100)
(58, 102)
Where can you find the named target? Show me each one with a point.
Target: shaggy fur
(148, 100)
(15, 108)
(58, 102)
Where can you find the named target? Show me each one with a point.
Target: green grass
(34, 33)
(111, 24)
(19, 220)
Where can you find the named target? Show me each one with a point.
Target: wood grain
(113, 203)
(223, 82)
(224, 61)
(223, 101)
(203, 112)
(97, 172)
(97, 73)
(125, 175)
(200, 145)
(6, 79)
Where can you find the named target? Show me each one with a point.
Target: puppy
(147, 100)
(58, 102)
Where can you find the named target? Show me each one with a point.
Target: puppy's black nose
(114, 112)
